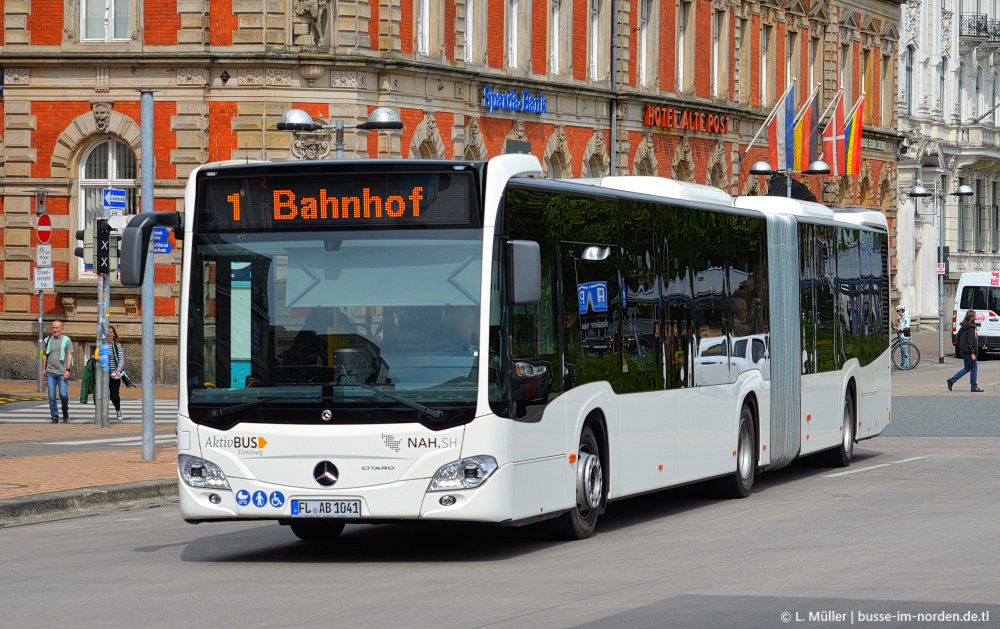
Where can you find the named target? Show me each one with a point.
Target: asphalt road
(909, 528)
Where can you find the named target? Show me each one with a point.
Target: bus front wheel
(580, 522)
(740, 483)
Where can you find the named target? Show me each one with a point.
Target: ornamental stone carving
(344, 80)
(310, 72)
(190, 76)
(16, 76)
(312, 146)
(102, 116)
(314, 16)
(276, 76)
(946, 31)
(250, 76)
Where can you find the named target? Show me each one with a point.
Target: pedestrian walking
(58, 359)
(117, 366)
(968, 346)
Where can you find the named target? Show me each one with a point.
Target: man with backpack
(58, 361)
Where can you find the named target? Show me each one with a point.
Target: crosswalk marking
(113, 440)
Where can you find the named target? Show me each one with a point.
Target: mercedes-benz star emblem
(326, 473)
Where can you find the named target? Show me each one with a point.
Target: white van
(980, 292)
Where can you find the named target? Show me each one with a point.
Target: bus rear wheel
(317, 531)
(580, 522)
(740, 483)
(841, 455)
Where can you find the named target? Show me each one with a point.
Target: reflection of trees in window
(827, 358)
(677, 295)
(848, 290)
(640, 330)
(708, 263)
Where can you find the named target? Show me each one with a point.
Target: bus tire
(740, 483)
(841, 455)
(317, 531)
(591, 491)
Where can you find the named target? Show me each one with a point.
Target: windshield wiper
(426, 411)
(229, 410)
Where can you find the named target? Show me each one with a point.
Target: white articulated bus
(392, 340)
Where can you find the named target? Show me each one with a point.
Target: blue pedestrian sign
(259, 498)
(114, 199)
(161, 240)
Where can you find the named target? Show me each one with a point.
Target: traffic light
(115, 242)
(87, 250)
(103, 243)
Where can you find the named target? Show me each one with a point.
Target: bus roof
(862, 216)
(783, 205)
(663, 187)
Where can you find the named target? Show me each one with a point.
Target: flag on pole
(806, 133)
(780, 132)
(852, 138)
(833, 138)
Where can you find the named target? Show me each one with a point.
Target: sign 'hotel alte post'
(671, 118)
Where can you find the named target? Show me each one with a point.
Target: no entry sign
(44, 228)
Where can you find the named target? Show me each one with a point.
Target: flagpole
(802, 111)
(767, 120)
(833, 104)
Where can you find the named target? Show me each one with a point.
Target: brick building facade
(691, 85)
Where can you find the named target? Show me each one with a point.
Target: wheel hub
(589, 481)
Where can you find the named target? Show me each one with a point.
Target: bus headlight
(198, 472)
(464, 474)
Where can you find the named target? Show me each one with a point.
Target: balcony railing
(994, 31)
(974, 25)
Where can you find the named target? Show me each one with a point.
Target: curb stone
(88, 501)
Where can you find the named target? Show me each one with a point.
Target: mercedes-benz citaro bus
(394, 340)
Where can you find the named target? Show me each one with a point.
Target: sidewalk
(55, 483)
(930, 375)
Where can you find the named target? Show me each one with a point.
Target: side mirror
(526, 272)
(135, 243)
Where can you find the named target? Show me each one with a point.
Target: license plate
(326, 508)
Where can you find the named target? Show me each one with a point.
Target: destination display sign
(297, 202)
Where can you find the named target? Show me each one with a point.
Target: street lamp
(819, 167)
(381, 119)
(919, 192)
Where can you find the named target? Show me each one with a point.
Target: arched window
(108, 164)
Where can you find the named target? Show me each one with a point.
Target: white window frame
(513, 9)
(83, 184)
(595, 37)
(554, 26)
(765, 52)
(644, 13)
(681, 43)
(717, 17)
(111, 9)
(423, 26)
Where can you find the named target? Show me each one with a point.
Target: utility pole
(148, 300)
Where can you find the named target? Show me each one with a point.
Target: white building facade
(949, 86)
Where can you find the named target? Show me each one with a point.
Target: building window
(105, 20)
(107, 164)
(644, 32)
(847, 75)
(792, 68)
(993, 99)
(423, 26)
(720, 53)
(867, 77)
(887, 91)
(816, 64)
(595, 31)
(765, 74)
(745, 69)
(685, 46)
(513, 9)
(942, 86)
(909, 81)
(962, 95)
(555, 25)
(978, 102)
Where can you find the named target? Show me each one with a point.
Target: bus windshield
(334, 326)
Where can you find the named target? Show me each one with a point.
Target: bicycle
(905, 355)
